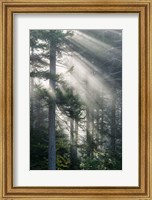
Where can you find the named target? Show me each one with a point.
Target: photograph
(76, 99)
(76, 82)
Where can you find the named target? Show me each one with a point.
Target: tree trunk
(32, 102)
(113, 120)
(76, 146)
(76, 136)
(92, 132)
(102, 118)
(88, 121)
(88, 133)
(52, 134)
(72, 154)
(32, 96)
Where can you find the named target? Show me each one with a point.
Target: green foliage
(63, 151)
(38, 149)
(69, 102)
(101, 161)
(44, 75)
(51, 37)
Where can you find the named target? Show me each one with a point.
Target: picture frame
(7, 143)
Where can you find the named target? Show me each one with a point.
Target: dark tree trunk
(92, 132)
(32, 97)
(88, 133)
(88, 120)
(72, 153)
(102, 118)
(32, 102)
(77, 165)
(52, 134)
(76, 137)
(97, 127)
(113, 120)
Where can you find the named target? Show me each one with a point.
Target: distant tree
(71, 106)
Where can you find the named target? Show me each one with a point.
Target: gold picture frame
(7, 9)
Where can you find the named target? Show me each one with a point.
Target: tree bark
(88, 133)
(52, 133)
(32, 102)
(76, 145)
(32, 96)
(76, 136)
(102, 118)
(113, 120)
(72, 154)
